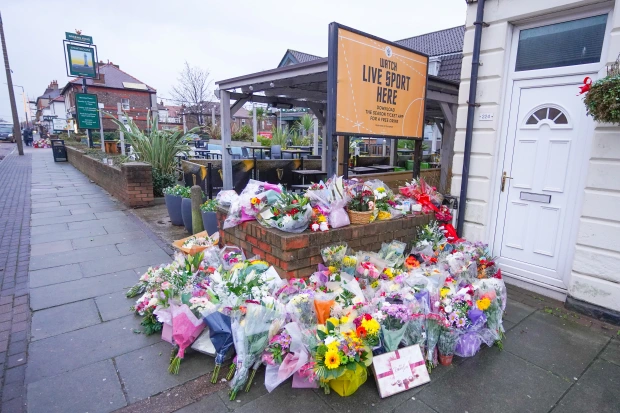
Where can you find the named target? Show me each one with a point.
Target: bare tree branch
(193, 90)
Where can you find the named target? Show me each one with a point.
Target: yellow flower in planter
(384, 215)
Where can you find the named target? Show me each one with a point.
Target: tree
(193, 91)
(261, 114)
(305, 124)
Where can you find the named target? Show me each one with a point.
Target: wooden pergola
(304, 85)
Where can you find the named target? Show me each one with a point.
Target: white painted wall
(595, 275)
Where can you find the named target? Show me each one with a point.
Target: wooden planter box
(297, 255)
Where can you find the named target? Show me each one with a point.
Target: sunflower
(332, 359)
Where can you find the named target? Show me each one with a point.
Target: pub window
(570, 43)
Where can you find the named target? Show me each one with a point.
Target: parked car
(6, 132)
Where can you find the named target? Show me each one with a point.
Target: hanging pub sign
(80, 55)
(375, 87)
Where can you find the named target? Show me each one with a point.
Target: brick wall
(297, 255)
(139, 101)
(132, 183)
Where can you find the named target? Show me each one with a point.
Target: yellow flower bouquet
(341, 358)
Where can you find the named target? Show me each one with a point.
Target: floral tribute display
(334, 203)
(402, 310)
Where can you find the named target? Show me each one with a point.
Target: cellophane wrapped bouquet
(290, 213)
(254, 321)
(340, 359)
(324, 329)
(254, 198)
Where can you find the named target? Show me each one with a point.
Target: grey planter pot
(209, 222)
(186, 210)
(173, 203)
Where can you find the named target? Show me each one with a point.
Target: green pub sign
(78, 38)
(87, 108)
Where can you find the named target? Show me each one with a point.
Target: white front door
(544, 145)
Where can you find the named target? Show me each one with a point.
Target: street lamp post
(24, 99)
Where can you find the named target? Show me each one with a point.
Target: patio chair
(200, 144)
(313, 157)
(276, 152)
(233, 155)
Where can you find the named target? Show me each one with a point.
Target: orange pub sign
(380, 87)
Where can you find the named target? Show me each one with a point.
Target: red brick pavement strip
(15, 177)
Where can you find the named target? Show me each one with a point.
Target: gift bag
(349, 381)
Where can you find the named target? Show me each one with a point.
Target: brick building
(114, 86)
(43, 103)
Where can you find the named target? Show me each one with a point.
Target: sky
(151, 39)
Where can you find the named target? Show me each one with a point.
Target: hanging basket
(603, 100)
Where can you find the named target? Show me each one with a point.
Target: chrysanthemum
(332, 359)
(483, 303)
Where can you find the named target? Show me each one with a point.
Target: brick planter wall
(297, 255)
(132, 183)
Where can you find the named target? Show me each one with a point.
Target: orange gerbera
(361, 332)
(412, 262)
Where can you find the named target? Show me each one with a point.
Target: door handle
(504, 177)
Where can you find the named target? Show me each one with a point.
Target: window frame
(123, 104)
(566, 16)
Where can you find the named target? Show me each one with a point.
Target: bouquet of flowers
(434, 326)
(368, 330)
(424, 194)
(231, 255)
(323, 303)
(361, 206)
(349, 262)
(285, 355)
(254, 198)
(367, 270)
(447, 343)
(338, 197)
(277, 349)
(394, 319)
(341, 360)
(319, 195)
(186, 327)
(393, 253)
(255, 327)
(250, 280)
(291, 213)
(319, 220)
(220, 333)
(455, 305)
(334, 254)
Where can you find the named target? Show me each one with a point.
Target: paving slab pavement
(80, 352)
